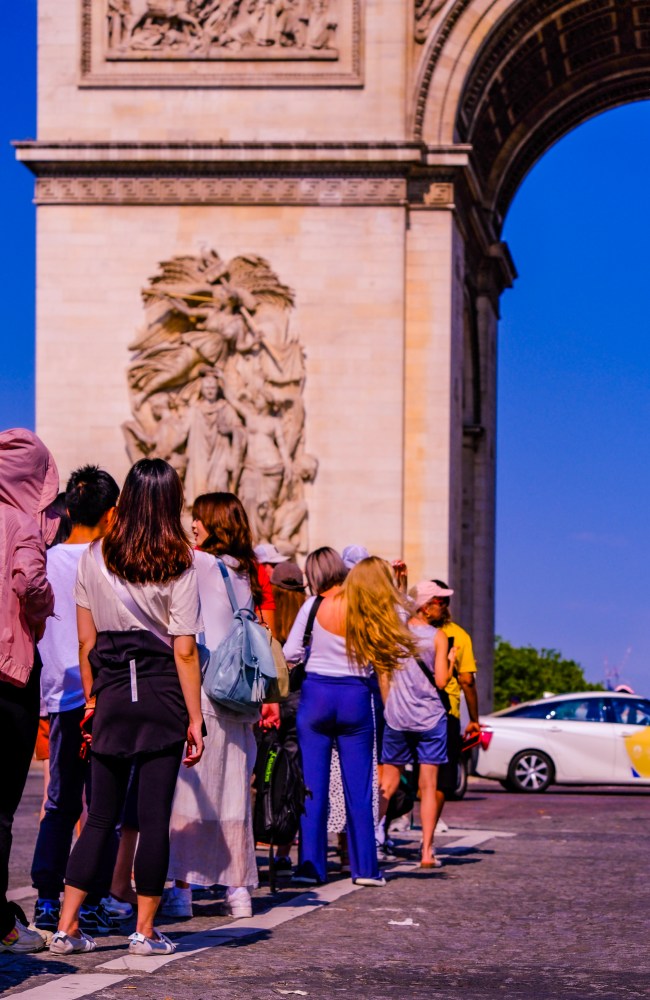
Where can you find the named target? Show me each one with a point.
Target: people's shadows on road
(15, 970)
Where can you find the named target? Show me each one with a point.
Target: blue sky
(574, 367)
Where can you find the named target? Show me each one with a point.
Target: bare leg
(440, 801)
(121, 886)
(72, 902)
(147, 906)
(428, 807)
(390, 775)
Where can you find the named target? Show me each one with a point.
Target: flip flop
(436, 863)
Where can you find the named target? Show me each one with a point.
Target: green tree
(525, 673)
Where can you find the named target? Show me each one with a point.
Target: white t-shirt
(61, 687)
(328, 655)
(174, 606)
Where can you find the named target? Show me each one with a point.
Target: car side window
(580, 710)
(530, 711)
(628, 712)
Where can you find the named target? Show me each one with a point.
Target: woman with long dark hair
(211, 828)
(138, 613)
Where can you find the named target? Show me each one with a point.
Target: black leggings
(157, 773)
(18, 724)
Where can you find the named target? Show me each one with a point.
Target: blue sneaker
(97, 920)
(46, 914)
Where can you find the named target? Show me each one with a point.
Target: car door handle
(555, 729)
(624, 736)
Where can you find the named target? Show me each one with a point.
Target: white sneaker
(158, 945)
(65, 944)
(176, 902)
(370, 881)
(441, 826)
(117, 907)
(238, 902)
(21, 940)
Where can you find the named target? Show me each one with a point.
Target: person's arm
(444, 660)
(383, 679)
(293, 646)
(468, 684)
(87, 638)
(186, 658)
(30, 584)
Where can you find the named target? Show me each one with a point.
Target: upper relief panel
(203, 43)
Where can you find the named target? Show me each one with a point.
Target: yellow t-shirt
(465, 663)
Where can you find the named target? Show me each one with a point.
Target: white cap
(267, 553)
(425, 591)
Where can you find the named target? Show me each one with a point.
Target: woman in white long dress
(211, 825)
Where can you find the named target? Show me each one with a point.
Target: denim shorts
(405, 746)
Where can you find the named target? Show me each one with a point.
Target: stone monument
(362, 152)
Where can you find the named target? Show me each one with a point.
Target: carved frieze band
(221, 43)
(221, 190)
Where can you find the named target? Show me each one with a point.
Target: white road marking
(72, 987)
(81, 985)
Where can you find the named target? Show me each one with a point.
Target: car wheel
(461, 784)
(530, 771)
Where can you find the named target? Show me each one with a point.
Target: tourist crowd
(107, 613)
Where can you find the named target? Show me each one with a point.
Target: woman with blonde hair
(359, 626)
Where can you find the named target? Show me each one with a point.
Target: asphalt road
(539, 897)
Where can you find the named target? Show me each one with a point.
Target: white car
(595, 738)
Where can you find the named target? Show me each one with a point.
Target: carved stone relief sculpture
(216, 383)
(425, 11)
(209, 29)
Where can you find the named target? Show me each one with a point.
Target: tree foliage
(525, 673)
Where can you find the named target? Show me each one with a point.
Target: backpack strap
(309, 628)
(123, 595)
(230, 589)
(442, 694)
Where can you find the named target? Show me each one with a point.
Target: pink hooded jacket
(29, 482)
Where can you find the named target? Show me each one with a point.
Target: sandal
(435, 863)
(158, 945)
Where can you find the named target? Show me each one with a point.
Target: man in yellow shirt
(463, 679)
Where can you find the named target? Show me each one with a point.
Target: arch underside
(546, 67)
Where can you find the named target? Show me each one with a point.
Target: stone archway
(497, 83)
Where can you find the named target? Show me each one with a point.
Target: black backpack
(279, 792)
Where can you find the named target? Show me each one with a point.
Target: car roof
(572, 694)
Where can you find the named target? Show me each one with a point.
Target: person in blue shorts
(416, 720)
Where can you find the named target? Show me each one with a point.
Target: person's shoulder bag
(244, 671)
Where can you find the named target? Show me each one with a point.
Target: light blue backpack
(241, 672)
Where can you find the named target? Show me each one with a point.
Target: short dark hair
(146, 542)
(89, 494)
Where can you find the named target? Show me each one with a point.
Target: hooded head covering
(29, 478)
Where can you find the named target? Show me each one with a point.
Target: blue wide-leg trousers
(337, 710)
